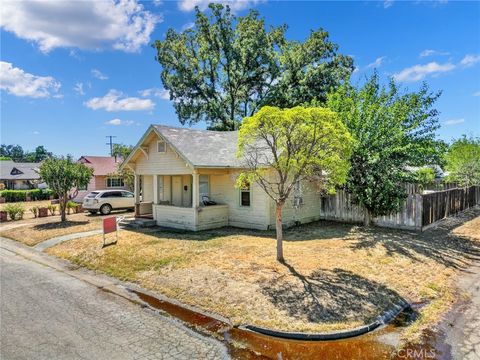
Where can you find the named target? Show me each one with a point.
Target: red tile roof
(102, 165)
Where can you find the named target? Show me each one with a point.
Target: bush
(15, 211)
(52, 209)
(70, 206)
(21, 195)
(34, 211)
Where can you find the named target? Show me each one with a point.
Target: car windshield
(92, 194)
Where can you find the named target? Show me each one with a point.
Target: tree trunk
(63, 207)
(279, 229)
(367, 218)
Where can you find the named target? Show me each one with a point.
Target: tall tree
(15, 152)
(280, 147)
(463, 161)
(227, 67)
(121, 151)
(64, 176)
(392, 130)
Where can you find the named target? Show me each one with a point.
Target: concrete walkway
(50, 311)
(59, 239)
(463, 334)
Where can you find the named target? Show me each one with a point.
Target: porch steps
(138, 223)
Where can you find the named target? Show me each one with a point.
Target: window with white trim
(113, 182)
(161, 146)
(203, 187)
(245, 195)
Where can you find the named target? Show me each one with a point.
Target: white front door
(176, 190)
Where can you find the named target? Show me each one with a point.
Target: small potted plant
(42, 212)
(3, 216)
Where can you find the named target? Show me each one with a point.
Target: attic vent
(15, 171)
(161, 146)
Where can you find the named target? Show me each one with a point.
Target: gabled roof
(101, 165)
(10, 170)
(202, 148)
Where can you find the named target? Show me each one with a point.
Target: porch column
(195, 196)
(155, 189)
(136, 192)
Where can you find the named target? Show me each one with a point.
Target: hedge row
(21, 195)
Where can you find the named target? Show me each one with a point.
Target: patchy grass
(27, 205)
(33, 231)
(336, 276)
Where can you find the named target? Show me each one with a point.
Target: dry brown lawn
(33, 231)
(336, 276)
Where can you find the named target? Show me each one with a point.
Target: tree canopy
(64, 176)
(18, 154)
(279, 148)
(227, 68)
(122, 151)
(463, 161)
(393, 130)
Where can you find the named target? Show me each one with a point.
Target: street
(48, 314)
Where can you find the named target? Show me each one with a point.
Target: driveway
(47, 313)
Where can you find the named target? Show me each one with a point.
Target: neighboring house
(104, 169)
(175, 168)
(20, 176)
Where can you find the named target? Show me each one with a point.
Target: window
(245, 193)
(127, 194)
(114, 182)
(204, 187)
(110, 194)
(161, 146)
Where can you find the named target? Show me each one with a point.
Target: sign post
(109, 226)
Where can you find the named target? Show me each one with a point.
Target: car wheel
(92, 212)
(106, 209)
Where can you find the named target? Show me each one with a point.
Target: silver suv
(107, 200)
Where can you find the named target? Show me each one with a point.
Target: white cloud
(78, 88)
(160, 93)
(117, 101)
(388, 3)
(454, 121)
(477, 93)
(35, 132)
(122, 25)
(20, 83)
(187, 26)
(98, 74)
(470, 60)
(430, 52)
(235, 5)
(377, 63)
(117, 122)
(157, 2)
(419, 72)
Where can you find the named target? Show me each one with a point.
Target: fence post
(418, 212)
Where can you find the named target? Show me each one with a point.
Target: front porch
(175, 201)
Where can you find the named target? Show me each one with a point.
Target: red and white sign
(109, 225)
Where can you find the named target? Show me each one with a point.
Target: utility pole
(110, 143)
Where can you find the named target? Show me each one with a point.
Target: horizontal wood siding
(147, 188)
(174, 217)
(211, 217)
(168, 163)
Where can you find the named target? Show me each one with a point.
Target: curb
(381, 320)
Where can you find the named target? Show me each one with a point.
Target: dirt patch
(336, 276)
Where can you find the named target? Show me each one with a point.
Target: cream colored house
(176, 169)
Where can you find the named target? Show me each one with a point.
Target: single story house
(104, 174)
(20, 176)
(176, 169)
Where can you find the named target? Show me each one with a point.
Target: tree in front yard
(279, 147)
(463, 161)
(393, 130)
(226, 68)
(64, 176)
(122, 151)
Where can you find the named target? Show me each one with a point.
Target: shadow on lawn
(58, 225)
(440, 243)
(330, 296)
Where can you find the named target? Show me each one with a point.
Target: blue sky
(75, 72)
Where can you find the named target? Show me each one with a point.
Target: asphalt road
(48, 314)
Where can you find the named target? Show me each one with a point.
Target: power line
(110, 143)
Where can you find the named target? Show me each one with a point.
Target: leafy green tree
(64, 176)
(227, 67)
(393, 130)
(463, 161)
(424, 177)
(38, 155)
(280, 147)
(122, 151)
(15, 152)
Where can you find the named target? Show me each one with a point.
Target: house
(176, 169)
(104, 170)
(20, 176)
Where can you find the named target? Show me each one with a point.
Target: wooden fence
(417, 212)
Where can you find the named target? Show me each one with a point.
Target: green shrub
(71, 205)
(21, 195)
(34, 211)
(15, 211)
(52, 209)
